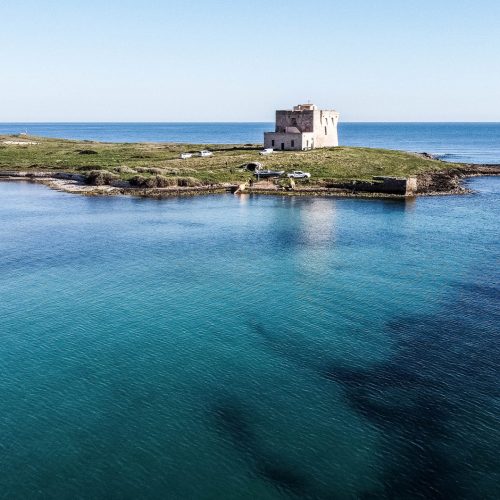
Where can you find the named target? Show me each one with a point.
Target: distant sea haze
(460, 142)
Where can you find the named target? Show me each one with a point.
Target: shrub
(286, 183)
(138, 181)
(125, 170)
(160, 181)
(172, 171)
(150, 170)
(100, 177)
(188, 182)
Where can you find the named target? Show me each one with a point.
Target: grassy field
(149, 159)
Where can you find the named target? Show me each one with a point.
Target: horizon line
(231, 122)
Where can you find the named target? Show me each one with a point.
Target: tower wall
(303, 120)
(306, 127)
(326, 129)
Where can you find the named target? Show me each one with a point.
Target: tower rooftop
(305, 107)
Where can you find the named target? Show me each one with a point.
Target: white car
(298, 174)
(206, 153)
(267, 151)
(185, 156)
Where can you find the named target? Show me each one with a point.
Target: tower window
(326, 131)
(272, 143)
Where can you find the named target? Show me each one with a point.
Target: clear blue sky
(221, 60)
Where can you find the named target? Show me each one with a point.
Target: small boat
(267, 151)
(185, 156)
(206, 153)
(266, 174)
(24, 133)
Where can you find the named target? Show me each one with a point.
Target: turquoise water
(457, 142)
(249, 347)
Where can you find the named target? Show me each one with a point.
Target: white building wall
(275, 140)
(325, 129)
(319, 129)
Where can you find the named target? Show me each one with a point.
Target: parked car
(298, 174)
(267, 151)
(185, 156)
(206, 153)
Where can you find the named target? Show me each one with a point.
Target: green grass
(224, 166)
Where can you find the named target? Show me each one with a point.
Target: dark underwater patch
(233, 421)
(284, 478)
(282, 346)
(440, 366)
(491, 292)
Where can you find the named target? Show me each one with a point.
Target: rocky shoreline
(443, 182)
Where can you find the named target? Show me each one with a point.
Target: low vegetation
(159, 165)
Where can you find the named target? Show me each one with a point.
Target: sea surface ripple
(249, 347)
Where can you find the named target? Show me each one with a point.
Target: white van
(267, 151)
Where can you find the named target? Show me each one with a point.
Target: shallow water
(249, 347)
(456, 142)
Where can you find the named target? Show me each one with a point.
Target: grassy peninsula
(223, 166)
(158, 165)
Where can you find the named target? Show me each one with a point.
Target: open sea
(457, 142)
(224, 347)
(252, 347)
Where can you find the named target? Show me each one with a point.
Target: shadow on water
(443, 368)
(234, 421)
(273, 341)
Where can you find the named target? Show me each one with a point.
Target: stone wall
(303, 120)
(387, 185)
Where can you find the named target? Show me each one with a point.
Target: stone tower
(304, 127)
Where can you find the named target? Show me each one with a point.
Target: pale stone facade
(305, 127)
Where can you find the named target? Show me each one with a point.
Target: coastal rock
(71, 177)
(439, 182)
(429, 156)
